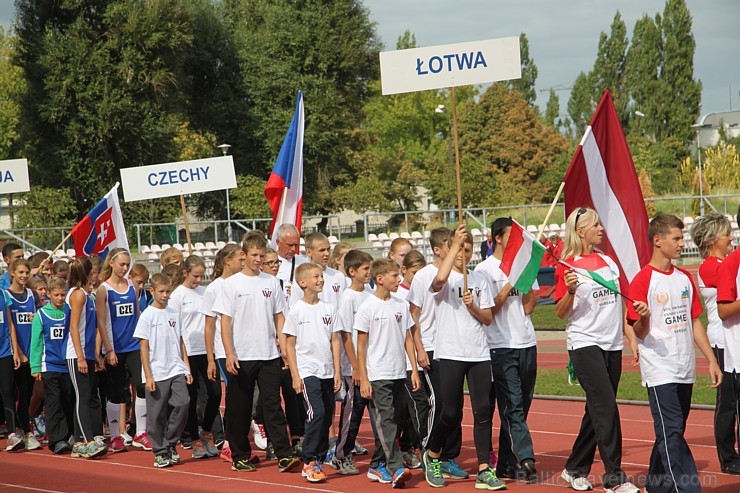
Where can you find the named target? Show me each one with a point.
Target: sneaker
(330, 457)
(259, 435)
(359, 449)
(79, 449)
(578, 484)
(313, 472)
(288, 463)
(728, 469)
(174, 456)
(270, 453)
(206, 438)
(226, 452)
(62, 447)
(411, 459)
(507, 472)
(128, 440)
(96, 448)
(199, 450)
(623, 488)
(432, 470)
(451, 470)
(347, 466)
(162, 460)
(142, 442)
(529, 471)
(379, 474)
(400, 477)
(243, 465)
(186, 444)
(39, 422)
(117, 445)
(487, 480)
(31, 443)
(15, 443)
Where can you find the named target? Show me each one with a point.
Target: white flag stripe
(608, 207)
(523, 256)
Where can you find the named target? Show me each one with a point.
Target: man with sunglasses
(288, 242)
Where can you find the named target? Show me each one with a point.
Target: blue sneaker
(380, 474)
(451, 470)
(432, 472)
(400, 477)
(330, 457)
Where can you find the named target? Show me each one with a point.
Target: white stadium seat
(152, 256)
(156, 249)
(372, 237)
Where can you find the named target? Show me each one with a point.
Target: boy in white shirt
(513, 347)
(383, 324)
(462, 351)
(251, 308)
(164, 367)
(318, 251)
(665, 317)
(357, 265)
(311, 342)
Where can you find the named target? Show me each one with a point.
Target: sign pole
(187, 226)
(457, 180)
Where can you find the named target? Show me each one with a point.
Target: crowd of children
(88, 346)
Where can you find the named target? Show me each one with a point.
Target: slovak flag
(284, 189)
(101, 229)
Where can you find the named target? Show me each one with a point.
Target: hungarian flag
(602, 176)
(284, 189)
(101, 229)
(522, 258)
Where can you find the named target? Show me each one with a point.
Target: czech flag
(101, 229)
(284, 189)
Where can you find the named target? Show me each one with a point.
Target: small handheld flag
(522, 258)
(101, 229)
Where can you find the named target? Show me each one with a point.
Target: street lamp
(225, 150)
(699, 127)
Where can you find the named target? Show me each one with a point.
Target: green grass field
(544, 318)
(555, 382)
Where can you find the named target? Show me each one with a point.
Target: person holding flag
(586, 293)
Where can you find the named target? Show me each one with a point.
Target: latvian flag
(602, 176)
(522, 258)
(101, 229)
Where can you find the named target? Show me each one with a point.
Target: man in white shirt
(288, 241)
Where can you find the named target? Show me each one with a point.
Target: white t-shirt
(313, 326)
(402, 293)
(386, 323)
(667, 351)
(187, 302)
(334, 286)
(421, 295)
(511, 327)
(708, 288)
(728, 289)
(596, 318)
(161, 327)
(284, 272)
(252, 302)
(461, 336)
(348, 305)
(213, 292)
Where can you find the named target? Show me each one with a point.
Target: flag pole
(60, 245)
(187, 226)
(549, 212)
(457, 180)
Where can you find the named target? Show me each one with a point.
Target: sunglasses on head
(581, 211)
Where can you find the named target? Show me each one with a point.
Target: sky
(563, 35)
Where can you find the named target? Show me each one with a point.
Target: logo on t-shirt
(326, 319)
(335, 287)
(267, 293)
(398, 317)
(685, 293)
(662, 298)
(172, 323)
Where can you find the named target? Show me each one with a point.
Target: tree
(12, 87)
(642, 77)
(525, 85)
(45, 208)
(580, 104)
(552, 110)
(608, 70)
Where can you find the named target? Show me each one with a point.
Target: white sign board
(461, 64)
(167, 180)
(14, 176)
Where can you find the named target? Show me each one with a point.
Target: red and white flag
(602, 176)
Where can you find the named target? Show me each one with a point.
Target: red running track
(553, 424)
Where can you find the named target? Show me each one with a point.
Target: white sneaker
(260, 437)
(578, 484)
(623, 488)
(128, 440)
(31, 442)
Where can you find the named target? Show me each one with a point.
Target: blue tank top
(87, 326)
(143, 301)
(54, 357)
(5, 347)
(123, 313)
(22, 312)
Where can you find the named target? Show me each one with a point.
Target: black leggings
(295, 410)
(199, 370)
(7, 392)
(452, 382)
(119, 379)
(24, 386)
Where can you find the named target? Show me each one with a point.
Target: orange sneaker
(313, 472)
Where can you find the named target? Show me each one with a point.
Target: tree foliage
(526, 84)
(12, 87)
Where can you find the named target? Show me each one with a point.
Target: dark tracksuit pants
(353, 407)
(199, 370)
(672, 467)
(318, 398)
(415, 418)
(58, 403)
(725, 417)
(88, 422)
(598, 372)
(514, 375)
(433, 388)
